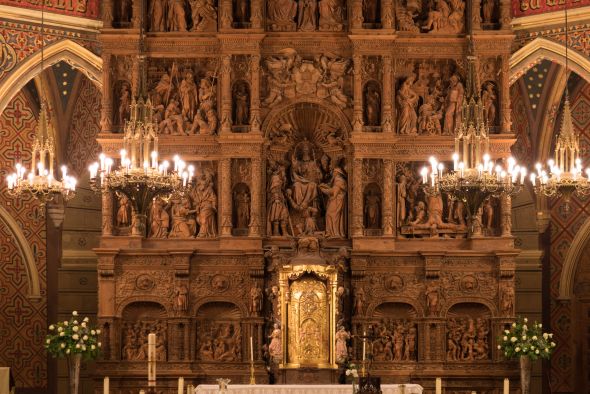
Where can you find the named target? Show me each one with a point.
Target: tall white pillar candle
(438, 386)
(506, 386)
(141, 391)
(180, 385)
(151, 360)
(251, 350)
(105, 385)
(364, 345)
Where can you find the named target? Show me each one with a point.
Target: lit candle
(141, 391)
(251, 350)
(455, 161)
(105, 385)
(438, 386)
(180, 385)
(151, 360)
(424, 174)
(364, 345)
(154, 159)
(102, 157)
(506, 386)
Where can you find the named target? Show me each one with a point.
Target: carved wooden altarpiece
(306, 225)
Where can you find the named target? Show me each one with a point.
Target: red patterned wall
(82, 146)
(523, 149)
(82, 8)
(564, 226)
(23, 321)
(535, 7)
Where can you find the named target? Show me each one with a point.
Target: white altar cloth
(304, 389)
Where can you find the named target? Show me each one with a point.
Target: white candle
(438, 386)
(189, 389)
(506, 386)
(251, 350)
(364, 345)
(181, 385)
(105, 385)
(151, 360)
(141, 391)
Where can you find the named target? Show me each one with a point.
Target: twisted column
(107, 213)
(505, 95)
(388, 192)
(358, 94)
(386, 104)
(256, 200)
(226, 109)
(506, 218)
(357, 198)
(255, 94)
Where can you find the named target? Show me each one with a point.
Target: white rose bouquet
(525, 340)
(73, 337)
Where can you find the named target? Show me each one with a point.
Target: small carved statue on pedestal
(276, 344)
(124, 211)
(255, 300)
(342, 337)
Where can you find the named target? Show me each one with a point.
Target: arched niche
(241, 14)
(121, 101)
(371, 14)
(468, 332)
(489, 98)
(138, 319)
(397, 331)
(240, 106)
(241, 209)
(219, 333)
(372, 209)
(122, 13)
(372, 104)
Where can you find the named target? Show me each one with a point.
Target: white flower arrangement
(69, 337)
(525, 340)
(352, 371)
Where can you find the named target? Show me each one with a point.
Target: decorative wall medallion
(394, 283)
(219, 283)
(7, 56)
(469, 284)
(144, 282)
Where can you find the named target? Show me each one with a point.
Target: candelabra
(141, 176)
(40, 181)
(475, 176)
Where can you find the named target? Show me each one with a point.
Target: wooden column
(107, 14)
(356, 20)
(506, 212)
(357, 122)
(225, 197)
(388, 192)
(256, 200)
(505, 95)
(106, 122)
(225, 14)
(386, 97)
(476, 14)
(505, 15)
(357, 198)
(387, 18)
(136, 13)
(256, 14)
(107, 213)
(255, 94)
(226, 109)
(135, 76)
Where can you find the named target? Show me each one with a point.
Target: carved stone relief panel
(180, 16)
(395, 333)
(184, 95)
(219, 333)
(138, 320)
(306, 15)
(441, 16)
(468, 332)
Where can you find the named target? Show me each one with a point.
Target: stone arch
(142, 299)
(410, 302)
(242, 307)
(471, 301)
(541, 48)
(64, 50)
(34, 289)
(572, 259)
(290, 110)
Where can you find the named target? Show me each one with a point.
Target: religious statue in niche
(183, 107)
(124, 211)
(278, 212)
(342, 337)
(281, 15)
(123, 13)
(276, 344)
(488, 100)
(290, 76)
(124, 103)
(407, 100)
(159, 219)
(179, 15)
(372, 105)
(453, 102)
(135, 340)
(241, 103)
(205, 202)
(467, 339)
(336, 206)
(507, 299)
(181, 302)
(439, 16)
(220, 341)
(241, 207)
(204, 15)
(359, 301)
(432, 293)
(241, 13)
(372, 210)
(331, 15)
(371, 12)
(397, 340)
(489, 12)
(255, 300)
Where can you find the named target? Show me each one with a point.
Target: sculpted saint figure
(488, 99)
(242, 207)
(176, 15)
(278, 213)
(181, 298)
(331, 15)
(336, 206)
(372, 209)
(205, 206)
(282, 12)
(241, 11)
(241, 104)
(124, 103)
(453, 105)
(307, 15)
(359, 300)
(342, 337)
(123, 218)
(407, 101)
(181, 223)
(372, 105)
(402, 193)
(157, 11)
(370, 11)
(276, 344)
(159, 219)
(305, 174)
(438, 16)
(255, 300)
(488, 10)
(204, 15)
(188, 95)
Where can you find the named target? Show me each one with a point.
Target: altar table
(5, 381)
(304, 389)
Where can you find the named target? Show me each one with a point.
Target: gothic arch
(541, 48)
(572, 259)
(26, 253)
(64, 50)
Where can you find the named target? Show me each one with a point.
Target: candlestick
(364, 345)
(190, 389)
(252, 377)
(438, 386)
(105, 385)
(251, 350)
(141, 391)
(151, 360)
(506, 386)
(181, 385)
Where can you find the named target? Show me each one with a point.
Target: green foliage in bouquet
(72, 337)
(524, 340)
